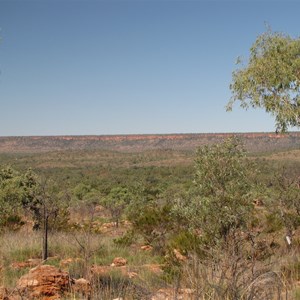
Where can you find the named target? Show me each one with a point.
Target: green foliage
(81, 190)
(116, 202)
(15, 191)
(30, 182)
(59, 216)
(186, 242)
(48, 202)
(126, 240)
(285, 199)
(211, 220)
(221, 199)
(271, 79)
(273, 222)
(152, 221)
(26, 191)
(10, 194)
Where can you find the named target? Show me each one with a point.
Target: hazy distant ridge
(253, 142)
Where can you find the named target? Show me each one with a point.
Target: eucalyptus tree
(116, 202)
(22, 193)
(11, 195)
(221, 199)
(270, 79)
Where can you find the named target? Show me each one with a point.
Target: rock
(132, 274)
(154, 268)
(146, 248)
(19, 265)
(179, 256)
(106, 270)
(82, 286)
(100, 270)
(108, 225)
(3, 293)
(64, 263)
(258, 202)
(119, 262)
(30, 263)
(127, 223)
(187, 291)
(44, 282)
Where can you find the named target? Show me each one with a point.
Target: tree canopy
(116, 201)
(271, 79)
(221, 199)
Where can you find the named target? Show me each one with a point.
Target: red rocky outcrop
(44, 282)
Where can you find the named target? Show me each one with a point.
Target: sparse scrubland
(125, 217)
(220, 223)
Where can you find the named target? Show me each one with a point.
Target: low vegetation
(223, 225)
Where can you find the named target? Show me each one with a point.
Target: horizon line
(148, 134)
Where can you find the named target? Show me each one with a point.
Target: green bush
(273, 223)
(126, 240)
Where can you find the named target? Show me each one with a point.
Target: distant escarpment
(254, 142)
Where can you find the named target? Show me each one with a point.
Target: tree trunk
(45, 235)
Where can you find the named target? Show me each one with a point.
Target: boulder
(119, 262)
(44, 282)
(146, 248)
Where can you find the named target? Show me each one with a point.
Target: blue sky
(129, 67)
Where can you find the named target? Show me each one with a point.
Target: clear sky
(129, 67)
